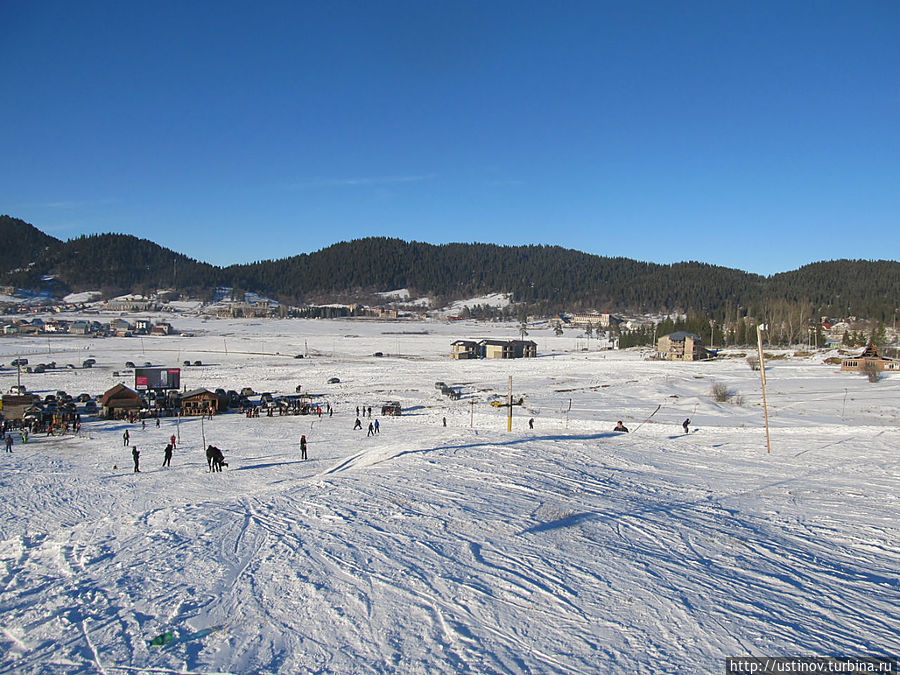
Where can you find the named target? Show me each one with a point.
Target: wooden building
(464, 349)
(119, 401)
(507, 349)
(870, 355)
(199, 402)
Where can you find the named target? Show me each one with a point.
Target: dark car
(333, 380)
(19, 362)
(88, 363)
(186, 363)
(90, 407)
(129, 364)
(84, 398)
(198, 363)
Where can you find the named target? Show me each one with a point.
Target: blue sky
(756, 135)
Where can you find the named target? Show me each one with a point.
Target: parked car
(299, 356)
(129, 364)
(87, 363)
(198, 363)
(186, 364)
(333, 380)
(391, 408)
(147, 364)
(91, 407)
(70, 366)
(19, 362)
(84, 398)
(40, 368)
(248, 391)
(18, 389)
(379, 354)
(440, 385)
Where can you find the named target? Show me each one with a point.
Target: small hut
(119, 401)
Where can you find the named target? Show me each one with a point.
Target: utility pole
(472, 413)
(762, 376)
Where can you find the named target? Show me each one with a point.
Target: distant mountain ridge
(546, 278)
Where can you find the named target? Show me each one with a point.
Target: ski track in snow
(566, 549)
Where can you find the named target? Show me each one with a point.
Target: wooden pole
(472, 413)
(509, 406)
(762, 376)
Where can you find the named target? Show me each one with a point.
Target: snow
(491, 300)
(399, 294)
(465, 548)
(84, 296)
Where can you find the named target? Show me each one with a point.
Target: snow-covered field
(459, 548)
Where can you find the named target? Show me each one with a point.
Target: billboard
(157, 378)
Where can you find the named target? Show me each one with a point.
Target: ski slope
(457, 549)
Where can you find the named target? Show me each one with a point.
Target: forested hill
(547, 278)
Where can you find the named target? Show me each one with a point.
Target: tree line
(544, 279)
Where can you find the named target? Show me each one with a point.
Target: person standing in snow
(136, 455)
(302, 447)
(172, 441)
(377, 427)
(531, 423)
(167, 456)
(9, 442)
(685, 424)
(371, 430)
(357, 425)
(125, 439)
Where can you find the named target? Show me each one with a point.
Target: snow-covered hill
(427, 548)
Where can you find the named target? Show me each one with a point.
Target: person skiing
(136, 454)
(377, 427)
(125, 439)
(621, 427)
(303, 447)
(172, 441)
(371, 430)
(167, 457)
(357, 425)
(685, 424)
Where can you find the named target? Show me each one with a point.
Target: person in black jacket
(136, 455)
(621, 427)
(167, 457)
(685, 424)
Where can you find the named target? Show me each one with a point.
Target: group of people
(623, 429)
(136, 454)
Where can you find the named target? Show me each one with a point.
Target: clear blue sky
(757, 135)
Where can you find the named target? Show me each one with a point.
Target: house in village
(162, 328)
(870, 355)
(199, 402)
(119, 401)
(464, 349)
(120, 328)
(682, 346)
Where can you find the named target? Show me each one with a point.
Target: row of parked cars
(60, 403)
(44, 367)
